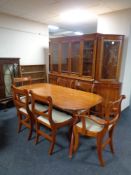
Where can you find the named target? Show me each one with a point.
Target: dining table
(65, 98)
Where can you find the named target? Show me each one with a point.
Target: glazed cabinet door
(109, 57)
(89, 56)
(75, 57)
(65, 57)
(9, 68)
(54, 57)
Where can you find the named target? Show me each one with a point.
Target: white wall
(22, 38)
(120, 23)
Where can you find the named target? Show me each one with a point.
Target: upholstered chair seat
(57, 116)
(91, 125)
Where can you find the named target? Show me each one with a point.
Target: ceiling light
(52, 27)
(77, 16)
(78, 33)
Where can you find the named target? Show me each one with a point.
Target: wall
(22, 38)
(119, 23)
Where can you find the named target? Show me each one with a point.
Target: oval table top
(65, 98)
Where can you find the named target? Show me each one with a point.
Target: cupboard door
(9, 68)
(54, 56)
(109, 57)
(9, 72)
(75, 57)
(89, 50)
(65, 57)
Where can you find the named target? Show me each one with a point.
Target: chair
(22, 107)
(50, 118)
(20, 81)
(65, 82)
(94, 126)
(84, 86)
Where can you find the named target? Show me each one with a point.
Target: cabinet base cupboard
(90, 58)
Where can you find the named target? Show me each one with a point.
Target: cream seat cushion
(38, 106)
(91, 125)
(57, 116)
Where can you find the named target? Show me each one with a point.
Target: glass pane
(110, 59)
(10, 71)
(75, 55)
(88, 58)
(55, 48)
(65, 58)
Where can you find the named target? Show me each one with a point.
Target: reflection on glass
(55, 56)
(65, 59)
(10, 71)
(75, 57)
(110, 59)
(88, 58)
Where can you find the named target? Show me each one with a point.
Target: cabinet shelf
(32, 72)
(35, 79)
(36, 72)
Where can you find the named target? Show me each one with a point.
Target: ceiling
(47, 11)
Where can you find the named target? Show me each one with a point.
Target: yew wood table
(65, 98)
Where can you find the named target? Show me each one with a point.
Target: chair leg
(99, 150)
(19, 122)
(71, 145)
(52, 143)
(111, 140)
(74, 142)
(37, 132)
(70, 131)
(30, 134)
(30, 130)
(76, 139)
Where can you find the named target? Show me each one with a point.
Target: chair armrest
(95, 119)
(96, 113)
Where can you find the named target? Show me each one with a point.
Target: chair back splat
(20, 81)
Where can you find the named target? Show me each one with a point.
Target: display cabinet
(88, 58)
(9, 68)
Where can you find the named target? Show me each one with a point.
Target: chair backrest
(64, 82)
(18, 96)
(45, 101)
(20, 81)
(113, 110)
(111, 115)
(84, 86)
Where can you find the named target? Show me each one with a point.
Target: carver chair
(50, 118)
(22, 107)
(94, 126)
